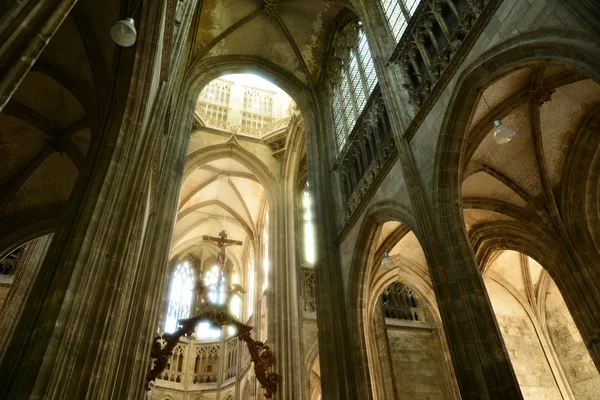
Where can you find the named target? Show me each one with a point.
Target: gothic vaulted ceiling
(46, 128)
(219, 195)
(514, 181)
(291, 34)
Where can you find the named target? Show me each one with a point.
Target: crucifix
(222, 242)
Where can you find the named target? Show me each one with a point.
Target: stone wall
(416, 363)
(570, 349)
(526, 354)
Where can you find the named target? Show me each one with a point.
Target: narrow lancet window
(180, 295)
(308, 227)
(356, 82)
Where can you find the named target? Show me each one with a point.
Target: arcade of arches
(382, 240)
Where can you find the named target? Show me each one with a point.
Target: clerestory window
(355, 84)
(398, 13)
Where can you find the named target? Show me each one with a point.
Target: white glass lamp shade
(123, 32)
(387, 262)
(502, 132)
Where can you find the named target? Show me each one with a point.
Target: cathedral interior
(300, 199)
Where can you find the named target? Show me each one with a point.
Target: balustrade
(428, 54)
(401, 312)
(369, 149)
(207, 362)
(195, 363)
(399, 303)
(431, 42)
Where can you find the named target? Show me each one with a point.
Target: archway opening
(546, 350)
(404, 337)
(246, 148)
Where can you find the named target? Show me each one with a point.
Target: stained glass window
(180, 296)
(308, 226)
(357, 81)
(216, 295)
(398, 13)
(340, 130)
(367, 62)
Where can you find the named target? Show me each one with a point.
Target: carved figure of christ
(222, 242)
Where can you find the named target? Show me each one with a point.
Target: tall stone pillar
(285, 324)
(89, 331)
(25, 40)
(27, 270)
(332, 320)
(481, 364)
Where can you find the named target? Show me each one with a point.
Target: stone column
(285, 317)
(27, 39)
(480, 360)
(336, 365)
(88, 335)
(27, 270)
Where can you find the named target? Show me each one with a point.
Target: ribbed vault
(222, 194)
(297, 33)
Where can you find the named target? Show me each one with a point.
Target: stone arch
(29, 223)
(582, 175)
(568, 47)
(362, 262)
(233, 150)
(455, 147)
(518, 286)
(200, 73)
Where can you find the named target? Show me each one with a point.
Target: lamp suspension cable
(502, 132)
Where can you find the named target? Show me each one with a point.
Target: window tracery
(214, 102)
(355, 79)
(257, 111)
(180, 295)
(398, 13)
(399, 303)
